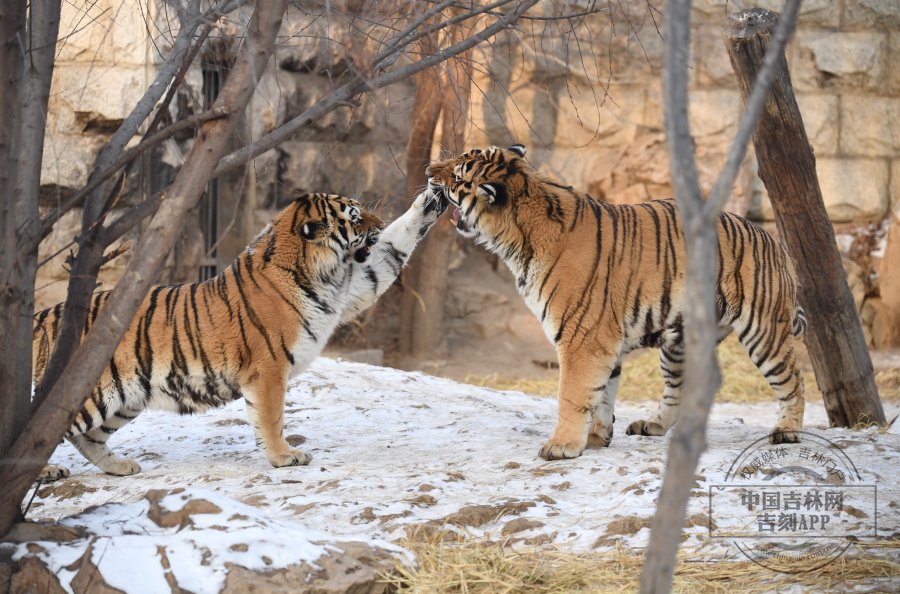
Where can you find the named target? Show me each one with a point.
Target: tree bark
(886, 327)
(787, 167)
(434, 253)
(48, 425)
(14, 402)
(418, 154)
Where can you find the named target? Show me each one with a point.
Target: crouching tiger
(244, 333)
(607, 279)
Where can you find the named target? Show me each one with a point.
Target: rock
(872, 13)
(354, 568)
(839, 60)
(88, 579)
(166, 518)
(819, 113)
(854, 190)
(894, 73)
(870, 126)
(527, 328)
(29, 575)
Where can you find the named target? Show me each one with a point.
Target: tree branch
(126, 158)
(347, 91)
(54, 416)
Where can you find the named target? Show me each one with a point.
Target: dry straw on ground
(491, 568)
(642, 379)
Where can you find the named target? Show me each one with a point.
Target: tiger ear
(495, 193)
(311, 230)
(518, 149)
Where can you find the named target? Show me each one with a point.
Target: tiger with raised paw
(608, 279)
(244, 333)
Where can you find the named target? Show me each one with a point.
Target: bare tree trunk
(48, 425)
(418, 155)
(27, 126)
(700, 218)
(14, 392)
(787, 166)
(886, 329)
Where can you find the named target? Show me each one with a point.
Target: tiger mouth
(457, 220)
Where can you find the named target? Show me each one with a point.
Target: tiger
(607, 279)
(246, 332)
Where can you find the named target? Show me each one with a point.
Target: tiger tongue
(456, 216)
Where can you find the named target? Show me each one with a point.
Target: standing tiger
(607, 279)
(244, 333)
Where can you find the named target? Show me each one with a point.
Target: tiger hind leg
(671, 362)
(772, 351)
(53, 472)
(602, 415)
(92, 445)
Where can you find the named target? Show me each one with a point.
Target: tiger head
(482, 184)
(330, 229)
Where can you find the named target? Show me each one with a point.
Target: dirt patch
(295, 440)
(230, 422)
(66, 489)
(168, 519)
(479, 515)
(548, 470)
(700, 519)
(628, 525)
(520, 525)
(423, 500)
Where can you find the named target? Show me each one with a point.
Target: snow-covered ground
(396, 452)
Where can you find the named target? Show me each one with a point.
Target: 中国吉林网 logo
(793, 507)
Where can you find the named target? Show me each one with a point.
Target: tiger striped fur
(244, 333)
(607, 279)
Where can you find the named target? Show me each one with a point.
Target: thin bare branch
(358, 84)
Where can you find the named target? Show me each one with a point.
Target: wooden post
(787, 167)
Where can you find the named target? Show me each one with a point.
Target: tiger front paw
(53, 472)
(649, 428)
(432, 203)
(290, 458)
(562, 450)
(784, 435)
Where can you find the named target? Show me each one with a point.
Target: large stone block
(838, 60)
(83, 28)
(820, 118)
(894, 58)
(714, 112)
(854, 190)
(870, 126)
(68, 159)
(589, 116)
(872, 14)
(103, 92)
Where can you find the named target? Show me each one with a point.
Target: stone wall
(587, 104)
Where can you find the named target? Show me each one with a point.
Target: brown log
(787, 167)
